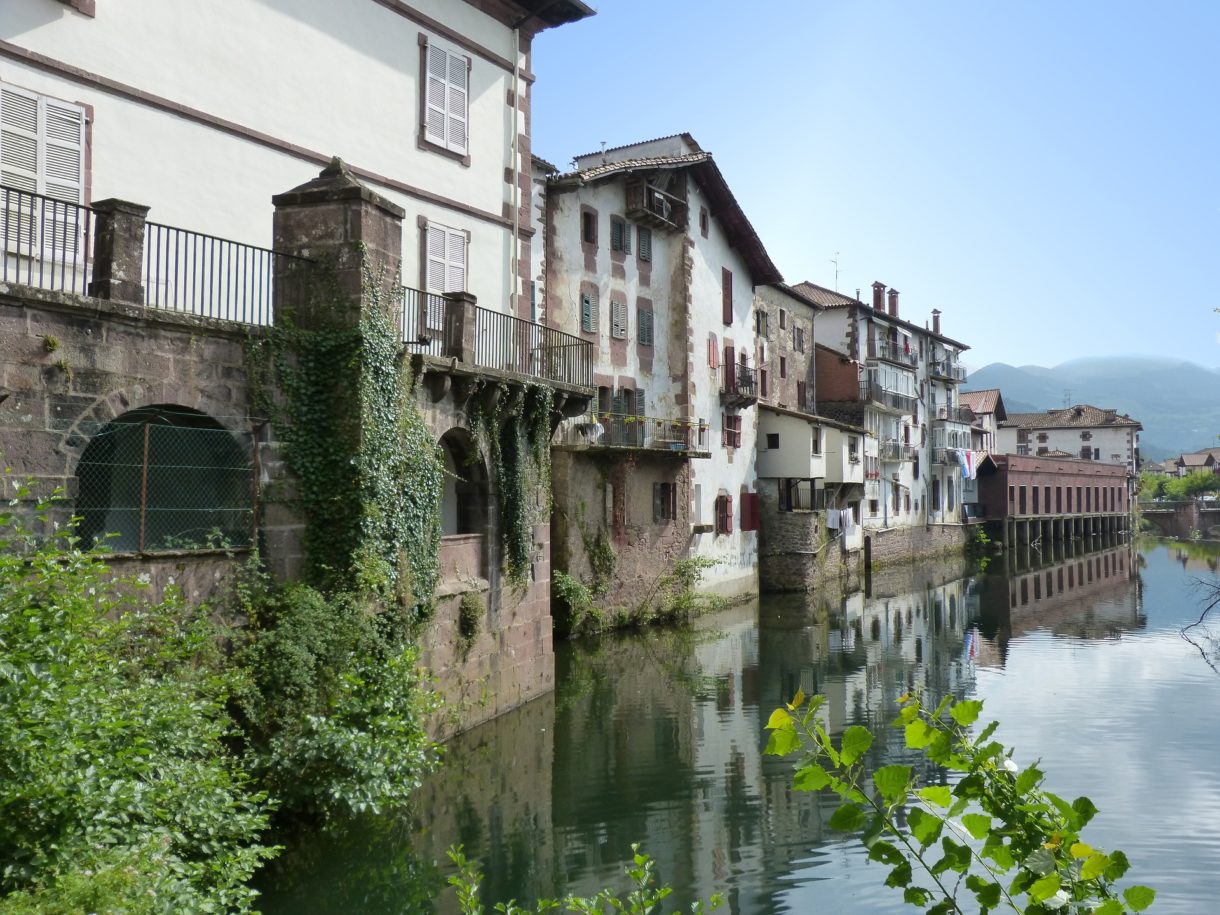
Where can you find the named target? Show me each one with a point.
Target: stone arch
(464, 499)
(164, 477)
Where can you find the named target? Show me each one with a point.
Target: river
(657, 738)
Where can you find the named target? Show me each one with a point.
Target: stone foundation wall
(796, 552)
(911, 544)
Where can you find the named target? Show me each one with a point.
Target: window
(1097, 454)
(726, 294)
(644, 237)
(816, 446)
(618, 320)
(1042, 452)
(643, 325)
(588, 227)
(664, 501)
(704, 221)
(772, 441)
(620, 235)
(42, 144)
(724, 514)
(1086, 436)
(853, 450)
(761, 319)
(762, 382)
(1043, 437)
(588, 312)
(713, 352)
(1085, 452)
(800, 396)
(749, 511)
(446, 97)
(696, 504)
(444, 270)
(872, 506)
(730, 425)
(798, 339)
(783, 319)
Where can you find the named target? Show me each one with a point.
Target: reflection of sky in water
(657, 738)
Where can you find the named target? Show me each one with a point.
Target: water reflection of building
(1084, 596)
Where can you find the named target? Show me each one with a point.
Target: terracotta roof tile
(1080, 416)
(827, 298)
(984, 401)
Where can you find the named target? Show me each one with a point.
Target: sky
(1046, 174)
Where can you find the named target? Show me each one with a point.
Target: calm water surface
(657, 738)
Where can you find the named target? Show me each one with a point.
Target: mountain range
(1178, 403)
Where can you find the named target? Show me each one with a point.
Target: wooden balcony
(738, 385)
(651, 206)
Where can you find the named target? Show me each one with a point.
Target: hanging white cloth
(832, 519)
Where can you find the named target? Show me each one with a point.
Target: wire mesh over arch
(166, 478)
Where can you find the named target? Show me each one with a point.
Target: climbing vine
(516, 433)
(368, 474)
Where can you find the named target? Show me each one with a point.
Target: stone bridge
(1179, 519)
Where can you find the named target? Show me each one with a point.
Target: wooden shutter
(645, 240)
(724, 429)
(435, 95)
(640, 407)
(446, 98)
(456, 113)
(728, 514)
(588, 312)
(658, 500)
(730, 368)
(726, 282)
(19, 139)
(800, 395)
(713, 352)
(618, 320)
(762, 382)
(644, 325)
(616, 234)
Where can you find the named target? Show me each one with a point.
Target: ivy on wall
(368, 474)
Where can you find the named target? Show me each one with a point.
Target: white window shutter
(455, 261)
(64, 173)
(435, 94)
(19, 139)
(435, 244)
(458, 97)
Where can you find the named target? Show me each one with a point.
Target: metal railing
(946, 368)
(513, 344)
(622, 430)
(874, 392)
(44, 242)
(739, 379)
(424, 317)
(436, 326)
(894, 450)
(955, 414)
(892, 352)
(198, 274)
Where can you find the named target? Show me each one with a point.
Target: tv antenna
(1067, 398)
(835, 260)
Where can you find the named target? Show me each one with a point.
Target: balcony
(738, 385)
(614, 431)
(954, 415)
(892, 450)
(651, 206)
(948, 370)
(874, 393)
(453, 326)
(893, 352)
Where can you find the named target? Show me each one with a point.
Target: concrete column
(118, 251)
(352, 235)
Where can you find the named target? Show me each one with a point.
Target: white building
(650, 257)
(203, 111)
(900, 382)
(1081, 431)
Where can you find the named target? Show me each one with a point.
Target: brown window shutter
(728, 514)
(726, 281)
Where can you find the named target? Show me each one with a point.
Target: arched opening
(165, 477)
(464, 501)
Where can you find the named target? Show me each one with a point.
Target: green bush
(114, 777)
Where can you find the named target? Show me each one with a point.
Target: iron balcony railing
(740, 380)
(955, 414)
(623, 430)
(437, 326)
(893, 352)
(873, 392)
(893, 450)
(948, 369)
(44, 242)
(198, 274)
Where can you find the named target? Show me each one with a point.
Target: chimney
(936, 320)
(893, 294)
(879, 297)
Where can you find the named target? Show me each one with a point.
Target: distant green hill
(1178, 403)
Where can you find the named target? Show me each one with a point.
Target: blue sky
(1046, 174)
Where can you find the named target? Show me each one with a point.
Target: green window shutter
(626, 238)
(588, 312)
(645, 240)
(644, 325)
(618, 320)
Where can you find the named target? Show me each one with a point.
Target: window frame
(427, 134)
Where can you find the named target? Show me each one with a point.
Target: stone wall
(911, 544)
(796, 552)
(611, 495)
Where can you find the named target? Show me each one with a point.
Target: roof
(724, 205)
(987, 400)
(556, 12)
(828, 298)
(543, 165)
(1200, 459)
(1079, 416)
(689, 140)
(793, 292)
(1059, 453)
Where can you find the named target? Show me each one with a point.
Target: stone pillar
(118, 251)
(352, 234)
(460, 318)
